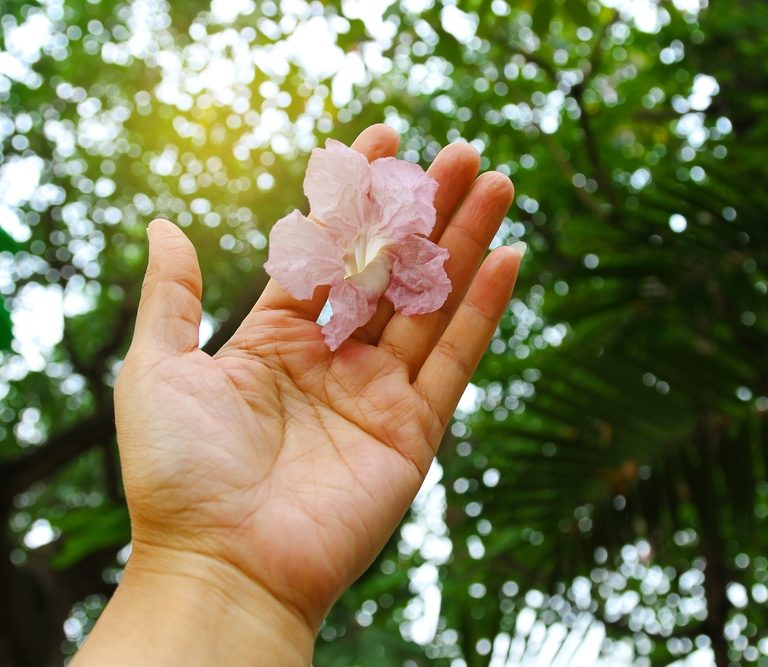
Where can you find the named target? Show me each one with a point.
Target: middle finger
(454, 169)
(467, 238)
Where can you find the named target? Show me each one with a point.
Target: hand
(275, 461)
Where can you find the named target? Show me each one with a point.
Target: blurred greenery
(603, 493)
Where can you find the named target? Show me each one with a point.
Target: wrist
(192, 609)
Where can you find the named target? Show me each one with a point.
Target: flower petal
(336, 184)
(419, 282)
(302, 255)
(354, 301)
(352, 308)
(403, 198)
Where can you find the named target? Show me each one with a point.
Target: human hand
(276, 463)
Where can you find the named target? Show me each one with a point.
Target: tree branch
(593, 153)
(62, 448)
(569, 171)
(18, 474)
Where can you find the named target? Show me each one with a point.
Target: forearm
(194, 611)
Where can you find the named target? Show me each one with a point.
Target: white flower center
(363, 253)
(369, 265)
(375, 277)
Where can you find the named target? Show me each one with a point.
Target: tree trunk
(715, 581)
(37, 599)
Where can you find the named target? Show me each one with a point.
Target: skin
(263, 480)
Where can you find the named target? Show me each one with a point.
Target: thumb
(170, 309)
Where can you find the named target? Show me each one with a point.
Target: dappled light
(601, 495)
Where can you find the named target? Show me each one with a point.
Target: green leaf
(6, 328)
(88, 529)
(7, 242)
(542, 16)
(579, 12)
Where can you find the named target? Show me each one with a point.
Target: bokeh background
(602, 495)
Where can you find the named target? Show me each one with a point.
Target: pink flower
(365, 237)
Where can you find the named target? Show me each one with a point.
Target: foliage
(609, 470)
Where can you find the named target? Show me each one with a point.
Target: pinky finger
(452, 362)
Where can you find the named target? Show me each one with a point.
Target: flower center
(375, 276)
(364, 251)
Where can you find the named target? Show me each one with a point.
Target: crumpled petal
(352, 307)
(403, 199)
(354, 301)
(364, 237)
(419, 282)
(302, 255)
(337, 183)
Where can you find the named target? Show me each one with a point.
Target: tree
(618, 434)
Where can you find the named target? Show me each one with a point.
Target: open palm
(285, 460)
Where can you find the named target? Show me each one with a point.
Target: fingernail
(519, 247)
